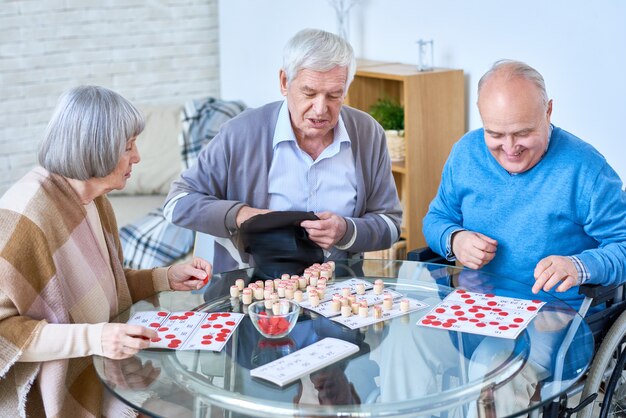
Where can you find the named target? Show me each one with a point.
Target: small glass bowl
(274, 325)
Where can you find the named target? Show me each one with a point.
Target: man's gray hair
(512, 69)
(318, 50)
(87, 133)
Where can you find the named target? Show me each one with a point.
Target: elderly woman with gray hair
(61, 273)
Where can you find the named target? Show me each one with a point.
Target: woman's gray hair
(87, 133)
(512, 69)
(318, 50)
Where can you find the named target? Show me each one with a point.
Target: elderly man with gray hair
(308, 152)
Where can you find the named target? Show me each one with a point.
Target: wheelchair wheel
(614, 402)
(603, 366)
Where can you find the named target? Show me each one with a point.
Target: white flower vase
(395, 144)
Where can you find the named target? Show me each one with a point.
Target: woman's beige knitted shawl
(52, 269)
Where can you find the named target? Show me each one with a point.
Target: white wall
(158, 51)
(578, 45)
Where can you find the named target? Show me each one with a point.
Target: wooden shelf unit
(434, 119)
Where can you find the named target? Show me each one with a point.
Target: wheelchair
(601, 392)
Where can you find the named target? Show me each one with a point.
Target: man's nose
(319, 105)
(508, 144)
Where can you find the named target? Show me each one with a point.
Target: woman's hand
(190, 276)
(120, 341)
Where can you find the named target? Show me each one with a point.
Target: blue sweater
(570, 203)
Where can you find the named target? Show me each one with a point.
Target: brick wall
(150, 51)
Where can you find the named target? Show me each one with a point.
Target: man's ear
(283, 82)
(549, 111)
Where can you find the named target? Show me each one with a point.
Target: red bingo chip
(161, 313)
(470, 301)
(518, 320)
(163, 329)
(189, 313)
(426, 321)
(155, 325)
(492, 303)
(532, 308)
(175, 341)
(218, 326)
(205, 326)
(231, 323)
(155, 339)
(206, 342)
(447, 324)
(503, 327)
(440, 310)
(455, 307)
(459, 313)
(481, 324)
(489, 295)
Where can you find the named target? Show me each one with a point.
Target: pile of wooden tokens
(312, 281)
(349, 304)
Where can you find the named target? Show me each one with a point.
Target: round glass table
(400, 370)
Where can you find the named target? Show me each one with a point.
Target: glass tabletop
(401, 369)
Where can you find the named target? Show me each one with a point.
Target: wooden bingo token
(234, 291)
(404, 305)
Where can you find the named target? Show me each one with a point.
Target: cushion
(159, 151)
(278, 244)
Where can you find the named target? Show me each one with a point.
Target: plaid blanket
(152, 241)
(201, 120)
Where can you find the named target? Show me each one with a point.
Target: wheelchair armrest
(598, 293)
(426, 255)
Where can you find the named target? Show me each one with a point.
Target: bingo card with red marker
(189, 330)
(484, 314)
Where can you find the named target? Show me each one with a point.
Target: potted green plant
(390, 115)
